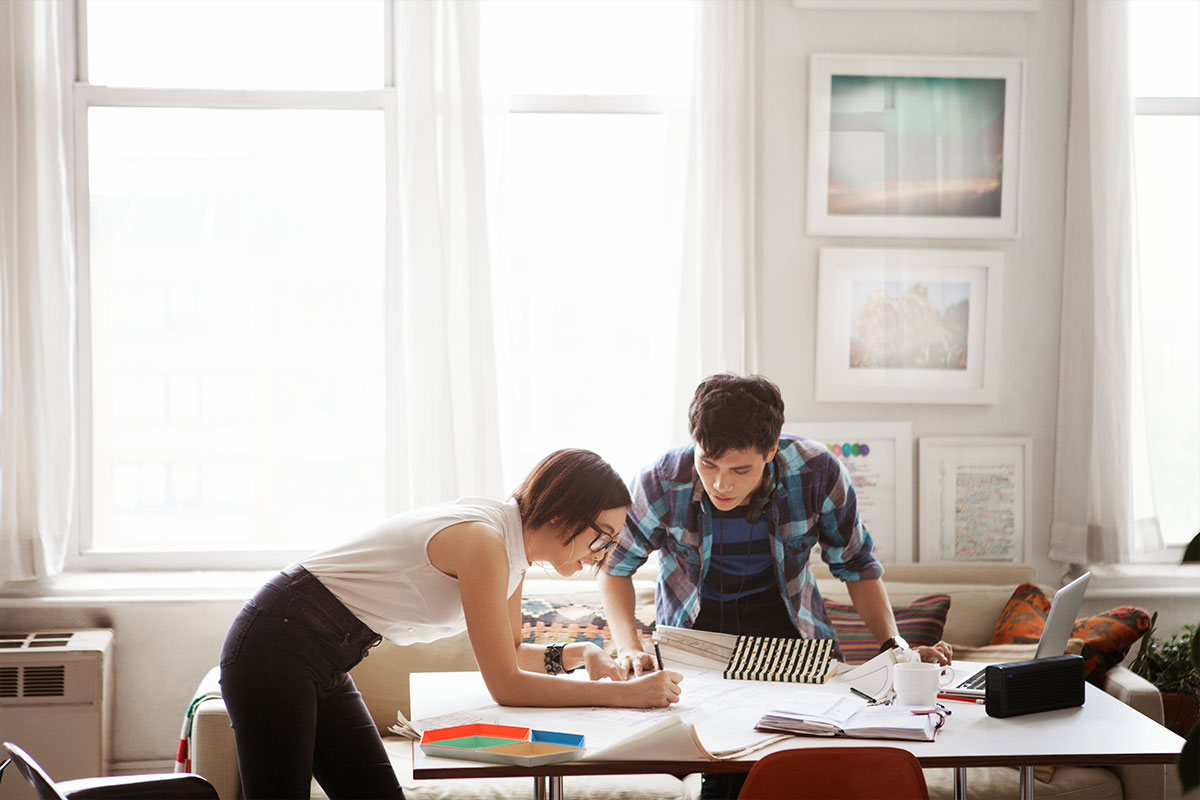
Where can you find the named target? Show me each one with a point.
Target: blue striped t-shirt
(742, 561)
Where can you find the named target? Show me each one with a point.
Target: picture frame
(917, 5)
(909, 325)
(880, 463)
(975, 498)
(914, 146)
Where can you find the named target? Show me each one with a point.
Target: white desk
(1104, 731)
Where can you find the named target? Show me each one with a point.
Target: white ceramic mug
(917, 682)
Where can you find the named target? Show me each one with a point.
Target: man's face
(733, 477)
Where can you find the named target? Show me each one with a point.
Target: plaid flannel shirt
(815, 503)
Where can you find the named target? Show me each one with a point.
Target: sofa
(978, 595)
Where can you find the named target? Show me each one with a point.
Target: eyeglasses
(603, 541)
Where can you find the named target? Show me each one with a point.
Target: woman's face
(732, 478)
(575, 555)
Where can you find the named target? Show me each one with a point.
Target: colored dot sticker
(847, 450)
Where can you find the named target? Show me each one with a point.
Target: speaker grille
(1025, 687)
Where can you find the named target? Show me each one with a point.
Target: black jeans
(295, 712)
(759, 614)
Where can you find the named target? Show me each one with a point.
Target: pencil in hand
(658, 657)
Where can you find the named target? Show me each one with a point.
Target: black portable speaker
(1043, 684)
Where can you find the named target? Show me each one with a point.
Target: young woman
(419, 576)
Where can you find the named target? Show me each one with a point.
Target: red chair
(837, 773)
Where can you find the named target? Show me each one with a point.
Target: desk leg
(1027, 783)
(960, 783)
(556, 787)
(539, 788)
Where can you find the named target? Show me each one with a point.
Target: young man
(735, 516)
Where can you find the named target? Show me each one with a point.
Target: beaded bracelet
(552, 659)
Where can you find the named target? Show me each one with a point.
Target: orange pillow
(1104, 639)
(1023, 617)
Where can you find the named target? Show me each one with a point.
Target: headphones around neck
(759, 502)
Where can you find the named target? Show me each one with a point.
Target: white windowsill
(107, 588)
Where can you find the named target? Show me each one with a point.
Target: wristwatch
(892, 643)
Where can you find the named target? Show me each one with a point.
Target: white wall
(1033, 261)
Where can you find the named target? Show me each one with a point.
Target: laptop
(1059, 624)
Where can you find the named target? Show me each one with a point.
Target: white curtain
(1093, 485)
(718, 279)
(447, 408)
(37, 334)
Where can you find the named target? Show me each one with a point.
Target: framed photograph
(878, 456)
(908, 326)
(975, 498)
(907, 146)
(917, 5)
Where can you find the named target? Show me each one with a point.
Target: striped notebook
(767, 658)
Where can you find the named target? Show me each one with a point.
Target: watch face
(898, 641)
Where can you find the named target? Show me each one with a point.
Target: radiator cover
(55, 701)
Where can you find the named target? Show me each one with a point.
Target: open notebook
(1057, 631)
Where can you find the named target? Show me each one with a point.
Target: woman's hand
(635, 662)
(599, 665)
(940, 653)
(656, 690)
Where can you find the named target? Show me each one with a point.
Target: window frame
(82, 555)
(1151, 548)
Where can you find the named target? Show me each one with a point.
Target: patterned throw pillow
(1103, 639)
(920, 624)
(549, 621)
(1023, 617)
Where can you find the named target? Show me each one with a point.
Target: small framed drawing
(975, 498)
(878, 456)
(908, 326)
(917, 5)
(914, 146)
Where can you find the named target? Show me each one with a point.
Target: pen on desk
(658, 656)
(976, 700)
(863, 695)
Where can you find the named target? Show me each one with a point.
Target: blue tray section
(556, 737)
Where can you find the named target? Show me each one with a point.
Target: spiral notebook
(767, 658)
(757, 658)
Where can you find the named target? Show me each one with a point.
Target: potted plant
(1173, 666)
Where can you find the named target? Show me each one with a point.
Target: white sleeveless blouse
(384, 576)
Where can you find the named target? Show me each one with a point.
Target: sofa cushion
(1078, 783)
(1103, 639)
(1023, 617)
(547, 621)
(920, 623)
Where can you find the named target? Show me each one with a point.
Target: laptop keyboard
(976, 681)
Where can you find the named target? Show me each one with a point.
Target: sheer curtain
(1093, 482)
(37, 333)
(718, 295)
(447, 437)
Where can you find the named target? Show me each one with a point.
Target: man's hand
(635, 662)
(940, 653)
(599, 665)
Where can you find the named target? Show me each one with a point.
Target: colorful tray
(502, 744)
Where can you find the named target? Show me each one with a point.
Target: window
(585, 307)
(232, 244)
(233, 255)
(1165, 76)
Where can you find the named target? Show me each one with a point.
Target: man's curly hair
(734, 412)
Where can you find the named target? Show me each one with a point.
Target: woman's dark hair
(734, 412)
(570, 488)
